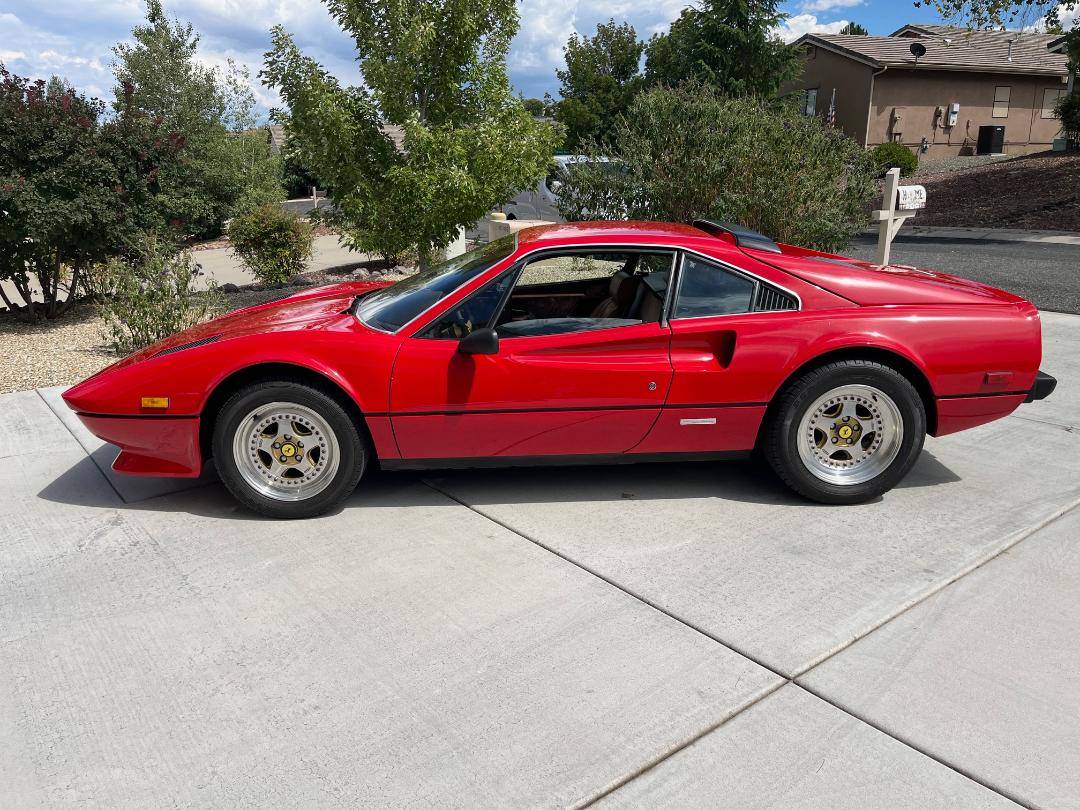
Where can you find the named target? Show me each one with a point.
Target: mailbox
(909, 198)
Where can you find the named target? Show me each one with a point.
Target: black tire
(353, 446)
(780, 440)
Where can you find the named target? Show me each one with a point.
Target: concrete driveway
(658, 636)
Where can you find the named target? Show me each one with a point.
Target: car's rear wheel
(846, 432)
(288, 450)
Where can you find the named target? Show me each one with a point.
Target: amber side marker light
(154, 402)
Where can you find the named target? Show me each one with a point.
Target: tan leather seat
(651, 307)
(621, 293)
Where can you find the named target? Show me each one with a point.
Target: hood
(870, 284)
(309, 309)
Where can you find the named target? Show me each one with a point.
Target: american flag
(830, 116)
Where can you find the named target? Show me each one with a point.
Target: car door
(724, 334)
(563, 382)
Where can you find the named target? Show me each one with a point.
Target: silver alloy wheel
(850, 434)
(286, 451)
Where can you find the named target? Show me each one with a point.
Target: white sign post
(900, 203)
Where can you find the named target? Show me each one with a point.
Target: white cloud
(795, 27)
(55, 61)
(545, 27)
(818, 6)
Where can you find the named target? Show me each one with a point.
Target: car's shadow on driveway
(736, 481)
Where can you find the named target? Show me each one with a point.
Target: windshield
(392, 308)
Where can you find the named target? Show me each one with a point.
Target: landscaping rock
(229, 287)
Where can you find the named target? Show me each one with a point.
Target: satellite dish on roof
(918, 50)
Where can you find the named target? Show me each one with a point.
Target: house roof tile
(951, 49)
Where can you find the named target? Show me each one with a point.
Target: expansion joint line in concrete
(794, 679)
(76, 439)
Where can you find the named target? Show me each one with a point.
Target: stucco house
(971, 92)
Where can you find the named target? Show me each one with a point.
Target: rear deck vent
(192, 345)
(771, 299)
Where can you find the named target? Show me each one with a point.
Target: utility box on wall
(953, 114)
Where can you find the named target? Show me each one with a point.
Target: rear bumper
(960, 413)
(1044, 386)
(159, 446)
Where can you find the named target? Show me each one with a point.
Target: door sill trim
(556, 460)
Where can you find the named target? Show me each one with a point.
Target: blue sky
(74, 38)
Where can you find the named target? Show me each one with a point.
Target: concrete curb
(985, 235)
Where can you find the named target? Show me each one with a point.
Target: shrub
(1068, 110)
(272, 244)
(685, 153)
(890, 155)
(150, 293)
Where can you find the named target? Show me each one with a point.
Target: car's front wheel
(846, 432)
(288, 450)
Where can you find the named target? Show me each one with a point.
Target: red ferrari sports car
(586, 342)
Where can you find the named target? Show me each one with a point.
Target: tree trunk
(73, 291)
(52, 289)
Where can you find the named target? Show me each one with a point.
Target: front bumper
(157, 446)
(1044, 386)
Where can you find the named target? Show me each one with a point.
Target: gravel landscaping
(1040, 192)
(959, 163)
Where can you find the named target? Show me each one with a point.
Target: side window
(580, 291)
(707, 289)
(475, 312)
(569, 269)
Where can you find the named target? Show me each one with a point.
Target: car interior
(578, 293)
(570, 292)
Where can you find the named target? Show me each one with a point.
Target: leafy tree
(854, 29)
(228, 166)
(602, 77)
(1068, 107)
(436, 69)
(983, 14)
(535, 106)
(692, 152)
(731, 44)
(73, 191)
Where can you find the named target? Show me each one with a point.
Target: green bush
(272, 244)
(890, 155)
(1068, 110)
(690, 152)
(150, 293)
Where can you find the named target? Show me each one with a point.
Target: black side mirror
(480, 341)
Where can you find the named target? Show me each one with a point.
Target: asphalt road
(1046, 274)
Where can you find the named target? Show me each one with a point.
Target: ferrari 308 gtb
(586, 342)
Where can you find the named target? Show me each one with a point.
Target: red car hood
(870, 284)
(305, 310)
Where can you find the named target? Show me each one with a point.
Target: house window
(1001, 101)
(1050, 100)
(811, 102)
